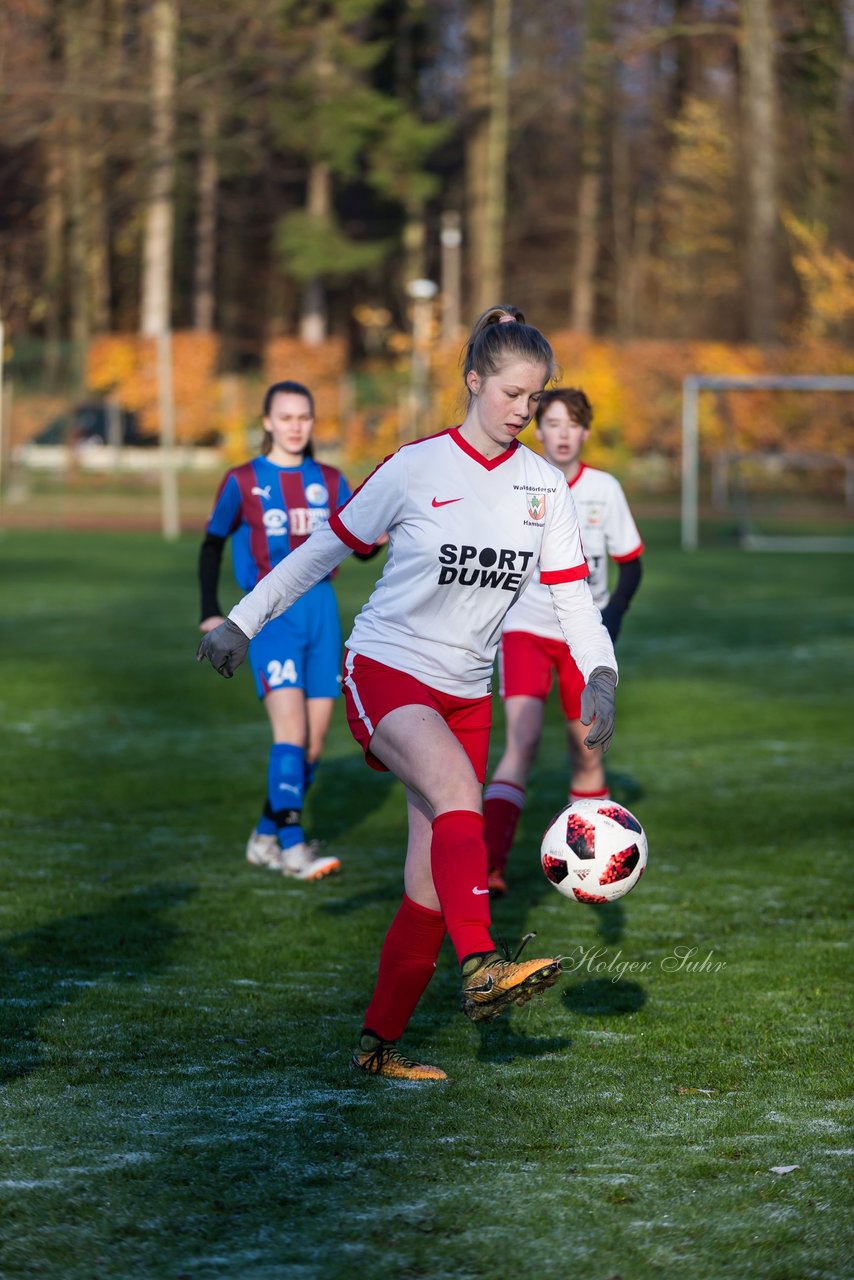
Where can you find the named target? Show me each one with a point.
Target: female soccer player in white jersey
(470, 515)
(269, 507)
(532, 645)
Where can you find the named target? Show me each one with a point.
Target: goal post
(692, 386)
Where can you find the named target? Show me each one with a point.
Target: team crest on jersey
(537, 506)
(316, 494)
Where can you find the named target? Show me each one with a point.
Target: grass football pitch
(176, 1026)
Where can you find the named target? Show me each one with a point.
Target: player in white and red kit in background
(470, 514)
(532, 647)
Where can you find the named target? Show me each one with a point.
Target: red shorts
(372, 689)
(527, 663)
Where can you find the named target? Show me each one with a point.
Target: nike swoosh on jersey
(479, 891)
(445, 501)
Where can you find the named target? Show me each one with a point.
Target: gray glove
(224, 648)
(597, 703)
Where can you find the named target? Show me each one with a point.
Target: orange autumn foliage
(636, 390)
(125, 365)
(635, 387)
(321, 368)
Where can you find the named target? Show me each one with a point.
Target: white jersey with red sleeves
(607, 529)
(465, 536)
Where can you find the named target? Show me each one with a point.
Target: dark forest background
(634, 168)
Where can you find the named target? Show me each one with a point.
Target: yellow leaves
(826, 275)
(592, 364)
(125, 365)
(321, 368)
(636, 392)
(698, 266)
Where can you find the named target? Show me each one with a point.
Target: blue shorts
(301, 649)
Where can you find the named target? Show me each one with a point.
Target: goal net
(783, 498)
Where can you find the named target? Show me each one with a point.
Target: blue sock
(285, 792)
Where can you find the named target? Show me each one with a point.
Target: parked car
(90, 424)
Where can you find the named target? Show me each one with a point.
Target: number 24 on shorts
(281, 673)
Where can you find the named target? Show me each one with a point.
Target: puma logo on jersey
(445, 501)
(261, 493)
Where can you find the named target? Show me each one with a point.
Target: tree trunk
(157, 253)
(496, 161)
(54, 227)
(477, 147)
(586, 251)
(99, 235)
(77, 219)
(595, 81)
(313, 316)
(487, 87)
(207, 183)
(624, 275)
(759, 105)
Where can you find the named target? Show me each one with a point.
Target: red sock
(458, 863)
(574, 795)
(407, 961)
(502, 808)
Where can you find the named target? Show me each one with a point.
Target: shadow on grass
(603, 998)
(48, 968)
(343, 795)
(390, 893)
(610, 920)
(500, 1042)
(624, 788)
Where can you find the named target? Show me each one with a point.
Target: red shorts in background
(526, 664)
(372, 689)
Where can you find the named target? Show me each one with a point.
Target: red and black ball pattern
(580, 836)
(593, 851)
(555, 868)
(617, 813)
(582, 896)
(620, 865)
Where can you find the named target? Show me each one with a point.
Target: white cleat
(303, 863)
(264, 851)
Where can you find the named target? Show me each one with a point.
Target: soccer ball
(594, 851)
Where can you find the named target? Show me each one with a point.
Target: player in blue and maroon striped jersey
(268, 507)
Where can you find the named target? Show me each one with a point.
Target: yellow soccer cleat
(381, 1058)
(493, 982)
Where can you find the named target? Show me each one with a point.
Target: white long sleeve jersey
(607, 530)
(465, 537)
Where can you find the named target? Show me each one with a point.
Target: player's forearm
(581, 623)
(628, 580)
(210, 559)
(290, 579)
(627, 584)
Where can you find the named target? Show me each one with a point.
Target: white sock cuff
(508, 791)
